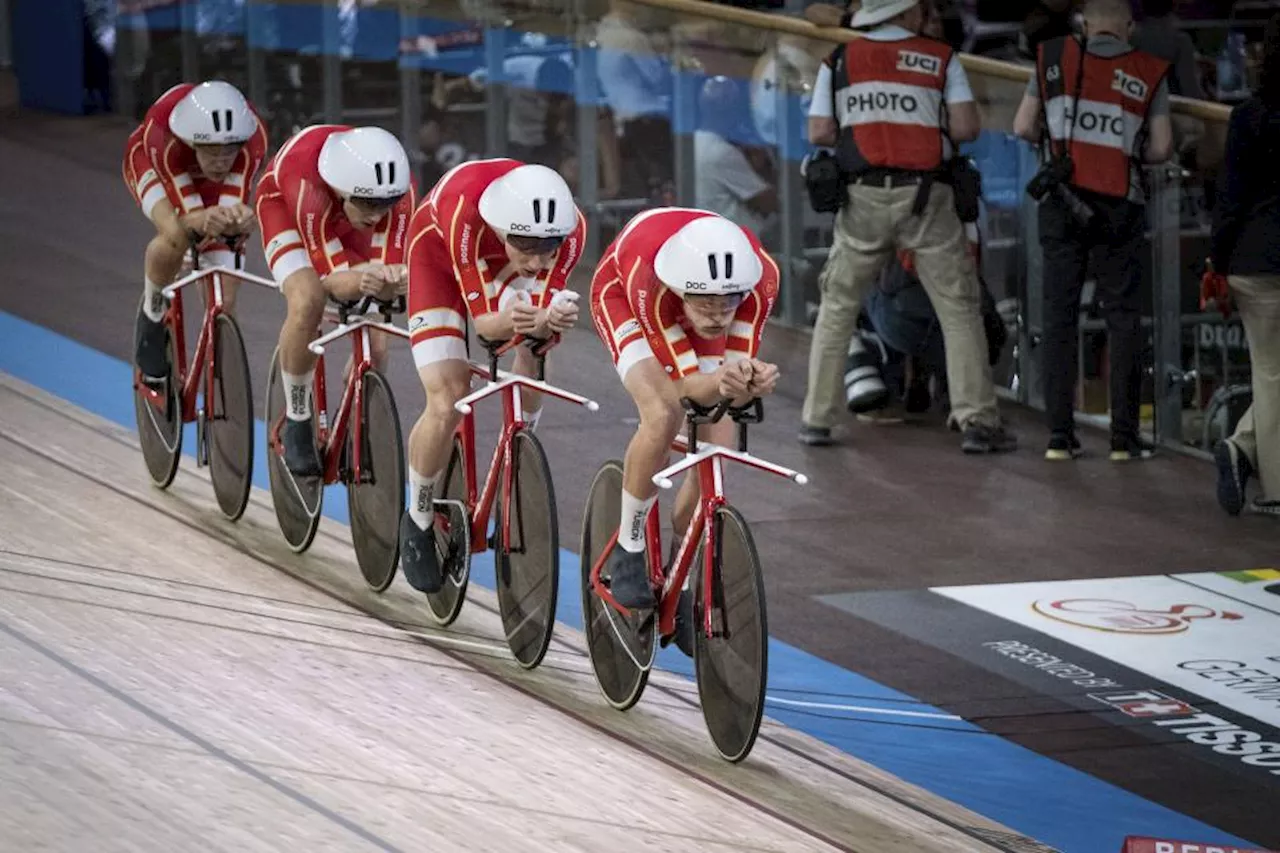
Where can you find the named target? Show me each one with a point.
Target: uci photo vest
(889, 103)
(1097, 109)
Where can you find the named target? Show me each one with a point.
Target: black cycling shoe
(300, 454)
(418, 558)
(629, 579)
(152, 355)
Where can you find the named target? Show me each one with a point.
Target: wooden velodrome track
(168, 681)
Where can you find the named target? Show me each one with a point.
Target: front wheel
(297, 501)
(621, 680)
(230, 420)
(731, 666)
(158, 409)
(376, 501)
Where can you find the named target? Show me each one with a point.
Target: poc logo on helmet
(199, 137)
(520, 226)
(910, 60)
(368, 191)
(696, 285)
(1129, 86)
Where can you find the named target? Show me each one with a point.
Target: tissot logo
(910, 60)
(1144, 704)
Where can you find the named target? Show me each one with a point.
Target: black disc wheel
(731, 667)
(527, 556)
(229, 428)
(297, 500)
(158, 410)
(621, 678)
(453, 540)
(376, 501)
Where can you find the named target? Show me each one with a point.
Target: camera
(864, 388)
(1055, 176)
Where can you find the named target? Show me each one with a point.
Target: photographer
(1106, 105)
(893, 104)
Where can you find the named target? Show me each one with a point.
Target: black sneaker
(980, 438)
(1063, 446)
(300, 454)
(418, 558)
(1234, 470)
(629, 579)
(816, 436)
(152, 355)
(1264, 507)
(1127, 448)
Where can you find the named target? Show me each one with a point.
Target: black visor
(535, 245)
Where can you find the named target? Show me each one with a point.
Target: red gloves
(1214, 290)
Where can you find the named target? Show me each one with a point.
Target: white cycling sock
(420, 497)
(297, 394)
(152, 300)
(531, 418)
(634, 514)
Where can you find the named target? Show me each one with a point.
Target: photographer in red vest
(1104, 108)
(893, 104)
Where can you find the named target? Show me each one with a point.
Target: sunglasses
(376, 204)
(534, 245)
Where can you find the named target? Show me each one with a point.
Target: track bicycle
(730, 629)
(362, 447)
(519, 492)
(214, 389)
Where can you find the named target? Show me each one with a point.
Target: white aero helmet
(213, 113)
(709, 255)
(529, 201)
(367, 164)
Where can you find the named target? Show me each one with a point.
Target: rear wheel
(158, 410)
(732, 667)
(453, 540)
(377, 502)
(297, 500)
(230, 419)
(527, 558)
(620, 679)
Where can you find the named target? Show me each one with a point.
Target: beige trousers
(877, 221)
(1257, 298)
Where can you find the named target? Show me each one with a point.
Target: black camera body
(1055, 176)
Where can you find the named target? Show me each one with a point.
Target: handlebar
(696, 414)
(538, 346)
(386, 307)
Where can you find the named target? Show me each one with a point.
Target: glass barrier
(641, 106)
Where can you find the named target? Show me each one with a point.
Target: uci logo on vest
(1130, 87)
(923, 63)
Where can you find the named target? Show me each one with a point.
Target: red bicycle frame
(708, 460)
(508, 385)
(202, 363)
(331, 439)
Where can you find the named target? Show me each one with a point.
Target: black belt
(890, 178)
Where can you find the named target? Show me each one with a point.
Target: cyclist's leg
(526, 364)
(162, 260)
(436, 313)
(305, 298)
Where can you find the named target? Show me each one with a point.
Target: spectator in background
(1159, 34)
(725, 182)
(635, 77)
(1246, 249)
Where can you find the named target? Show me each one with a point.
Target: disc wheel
(527, 557)
(159, 421)
(620, 679)
(377, 502)
(297, 500)
(732, 669)
(230, 419)
(453, 540)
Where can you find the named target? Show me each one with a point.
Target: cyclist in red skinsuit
(190, 166)
(494, 240)
(680, 300)
(335, 204)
